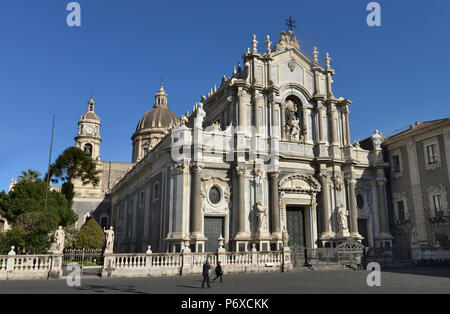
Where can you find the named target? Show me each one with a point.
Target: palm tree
(29, 175)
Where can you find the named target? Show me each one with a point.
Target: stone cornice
(407, 135)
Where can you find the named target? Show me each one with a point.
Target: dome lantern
(161, 98)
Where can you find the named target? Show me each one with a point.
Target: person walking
(219, 272)
(206, 268)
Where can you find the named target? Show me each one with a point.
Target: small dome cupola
(161, 98)
(90, 113)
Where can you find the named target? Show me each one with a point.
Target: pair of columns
(326, 183)
(196, 216)
(274, 202)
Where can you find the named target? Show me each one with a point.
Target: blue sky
(394, 74)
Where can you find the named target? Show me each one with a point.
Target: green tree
(29, 196)
(91, 236)
(72, 164)
(31, 232)
(29, 175)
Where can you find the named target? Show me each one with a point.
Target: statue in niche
(292, 127)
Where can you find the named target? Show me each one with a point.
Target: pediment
(299, 183)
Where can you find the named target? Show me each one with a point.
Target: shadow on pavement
(193, 287)
(436, 271)
(106, 289)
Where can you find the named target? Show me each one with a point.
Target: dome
(160, 117)
(153, 125)
(157, 118)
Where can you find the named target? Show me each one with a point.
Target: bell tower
(88, 137)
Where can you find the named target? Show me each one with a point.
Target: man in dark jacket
(219, 272)
(206, 268)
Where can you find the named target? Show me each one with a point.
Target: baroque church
(265, 154)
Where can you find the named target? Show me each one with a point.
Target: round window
(359, 201)
(214, 195)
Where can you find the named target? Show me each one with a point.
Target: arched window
(88, 149)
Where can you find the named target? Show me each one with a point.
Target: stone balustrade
(146, 264)
(25, 266)
(435, 254)
(156, 264)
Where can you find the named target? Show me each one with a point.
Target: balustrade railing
(25, 263)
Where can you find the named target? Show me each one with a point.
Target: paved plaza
(396, 280)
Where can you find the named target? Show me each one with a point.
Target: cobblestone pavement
(397, 280)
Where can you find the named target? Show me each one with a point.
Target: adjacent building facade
(419, 183)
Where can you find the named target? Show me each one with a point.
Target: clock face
(89, 130)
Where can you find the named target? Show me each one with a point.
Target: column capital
(179, 168)
(274, 175)
(197, 166)
(324, 177)
(240, 170)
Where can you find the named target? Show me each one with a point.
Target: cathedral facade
(266, 153)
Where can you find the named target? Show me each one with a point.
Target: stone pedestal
(56, 266)
(287, 265)
(109, 264)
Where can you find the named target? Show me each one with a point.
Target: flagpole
(49, 162)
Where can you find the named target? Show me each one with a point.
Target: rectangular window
(431, 154)
(401, 210)
(396, 164)
(436, 204)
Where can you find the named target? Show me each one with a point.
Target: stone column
(305, 112)
(283, 121)
(325, 203)
(347, 126)
(275, 205)
(353, 208)
(320, 122)
(258, 102)
(333, 116)
(382, 205)
(274, 107)
(196, 212)
(242, 109)
(240, 172)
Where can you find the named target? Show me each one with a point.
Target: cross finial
(290, 23)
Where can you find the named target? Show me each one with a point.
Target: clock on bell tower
(88, 137)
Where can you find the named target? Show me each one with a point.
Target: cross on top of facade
(290, 23)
